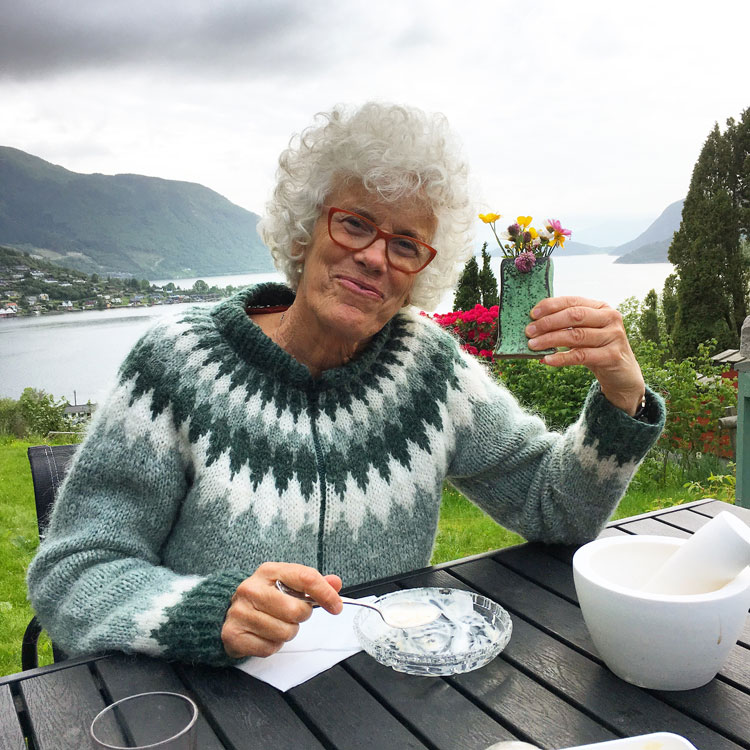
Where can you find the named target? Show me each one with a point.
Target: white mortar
(658, 641)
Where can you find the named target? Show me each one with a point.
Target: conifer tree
(467, 292)
(649, 322)
(487, 281)
(712, 271)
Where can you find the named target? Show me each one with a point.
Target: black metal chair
(49, 464)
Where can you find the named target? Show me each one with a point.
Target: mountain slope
(144, 226)
(652, 245)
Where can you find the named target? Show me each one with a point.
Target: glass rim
(127, 698)
(388, 236)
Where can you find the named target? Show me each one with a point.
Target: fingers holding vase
(594, 336)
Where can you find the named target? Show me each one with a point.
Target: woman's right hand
(260, 619)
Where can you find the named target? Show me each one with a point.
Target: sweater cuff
(192, 630)
(615, 433)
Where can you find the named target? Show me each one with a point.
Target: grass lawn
(18, 542)
(464, 530)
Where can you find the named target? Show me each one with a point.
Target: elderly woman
(302, 433)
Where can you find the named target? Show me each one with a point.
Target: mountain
(654, 252)
(652, 245)
(571, 248)
(130, 224)
(580, 248)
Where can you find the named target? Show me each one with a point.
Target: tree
(712, 270)
(467, 292)
(41, 413)
(487, 281)
(649, 322)
(200, 286)
(669, 303)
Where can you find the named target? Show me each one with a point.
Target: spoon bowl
(400, 614)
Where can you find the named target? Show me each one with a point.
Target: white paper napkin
(322, 641)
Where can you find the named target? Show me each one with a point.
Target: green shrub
(12, 423)
(41, 413)
(557, 395)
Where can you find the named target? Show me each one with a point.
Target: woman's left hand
(595, 335)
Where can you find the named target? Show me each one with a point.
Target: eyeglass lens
(357, 233)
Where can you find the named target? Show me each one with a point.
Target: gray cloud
(39, 38)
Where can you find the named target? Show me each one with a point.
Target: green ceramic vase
(519, 293)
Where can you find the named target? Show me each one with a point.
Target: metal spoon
(396, 615)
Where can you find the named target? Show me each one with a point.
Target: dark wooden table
(548, 687)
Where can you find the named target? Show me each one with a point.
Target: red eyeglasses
(355, 232)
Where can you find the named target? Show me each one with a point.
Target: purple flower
(525, 261)
(514, 230)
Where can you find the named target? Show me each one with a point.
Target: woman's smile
(359, 287)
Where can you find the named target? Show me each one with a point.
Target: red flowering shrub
(475, 328)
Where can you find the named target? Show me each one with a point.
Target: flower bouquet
(525, 279)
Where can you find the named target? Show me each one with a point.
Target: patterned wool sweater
(217, 451)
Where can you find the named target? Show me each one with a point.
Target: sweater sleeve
(97, 583)
(547, 486)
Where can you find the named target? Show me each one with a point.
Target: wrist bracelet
(640, 412)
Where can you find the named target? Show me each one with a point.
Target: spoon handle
(307, 598)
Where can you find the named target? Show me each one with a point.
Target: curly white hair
(395, 151)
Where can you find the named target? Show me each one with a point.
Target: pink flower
(486, 353)
(525, 261)
(553, 225)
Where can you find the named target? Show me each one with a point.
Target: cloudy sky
(585, 110)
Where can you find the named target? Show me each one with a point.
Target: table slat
(61, 706)
(11, 736)
(335, 703)
(534, 562)
(653, 527)
(519, 595)
(529, 708)
(718, 705)
(687, 520)
(612, 531)
(438, 711)
(716, 506)
(247, 714)
(124, 675)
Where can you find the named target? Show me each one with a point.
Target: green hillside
(144, 226)
(654, 252)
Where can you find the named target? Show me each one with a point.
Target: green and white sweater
(217, 451)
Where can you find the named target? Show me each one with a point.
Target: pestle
(715, 555)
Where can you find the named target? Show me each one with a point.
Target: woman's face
(353, 294)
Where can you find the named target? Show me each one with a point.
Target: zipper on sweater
(321, 474)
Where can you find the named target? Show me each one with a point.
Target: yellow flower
(524, 221)
(534, 234)
(489, 218)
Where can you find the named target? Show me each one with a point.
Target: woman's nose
(374, 256)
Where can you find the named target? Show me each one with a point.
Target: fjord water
(79, 353)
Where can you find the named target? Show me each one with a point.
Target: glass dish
(471, 631)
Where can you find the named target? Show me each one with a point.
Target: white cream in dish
(410, 614)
